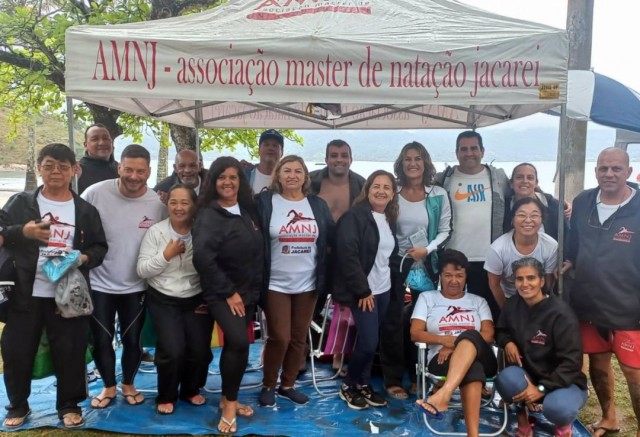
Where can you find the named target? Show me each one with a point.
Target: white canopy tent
(307, 64)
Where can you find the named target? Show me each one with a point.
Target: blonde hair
(276, 187)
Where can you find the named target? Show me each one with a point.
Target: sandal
(15, 422)
(72, 420)
(397, 392)
(97, 402)
(564, 431)
(601, 431)
(230, 426)
(525, 431)
(241, 410)
(132, 398)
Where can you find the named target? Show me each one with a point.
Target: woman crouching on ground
(541, 339)
(364, 244)
(228, 252)
(459, 330)
(174, 298)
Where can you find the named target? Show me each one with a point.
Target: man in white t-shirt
(270, 149)
(477, 192)
(127, 208)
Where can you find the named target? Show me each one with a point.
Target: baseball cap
(273, 134)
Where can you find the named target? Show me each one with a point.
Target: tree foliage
(32, 82)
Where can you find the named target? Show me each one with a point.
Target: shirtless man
(338, 186)
(335, 183)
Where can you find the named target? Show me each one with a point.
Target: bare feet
(197, 400)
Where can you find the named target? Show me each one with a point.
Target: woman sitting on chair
(365, 242)
(458, 328)
(541, 338)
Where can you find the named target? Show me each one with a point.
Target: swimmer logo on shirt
(146, 223)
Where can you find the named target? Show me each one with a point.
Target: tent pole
(198, 126)
(561, 192)
(74, 181)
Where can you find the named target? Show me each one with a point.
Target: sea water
(14, 181)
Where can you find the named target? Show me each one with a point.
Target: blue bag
(418, 279)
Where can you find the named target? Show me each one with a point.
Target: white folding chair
(490, 404)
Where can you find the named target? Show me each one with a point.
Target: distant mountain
(533, 138)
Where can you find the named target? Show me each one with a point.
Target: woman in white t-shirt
(524, 240)
(458, 328)
(296, 228)
(174, 299)
(423, 227)
(365, 242)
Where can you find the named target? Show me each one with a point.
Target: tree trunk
(31, 180)
(183, 137)
(107, 117)
(163, 160)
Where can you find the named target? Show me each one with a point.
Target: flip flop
(604, 431)
(70, 420)
(397, 392)
(19, 423)
(230, 423)
(133, 396)
(436, 416)
(99, 400)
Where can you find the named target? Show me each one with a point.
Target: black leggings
(130, 308)
(485, 364)
(183, 352)
(235, 351)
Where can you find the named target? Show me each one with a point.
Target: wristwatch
(541, 389)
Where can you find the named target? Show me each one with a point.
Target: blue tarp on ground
(323, 416)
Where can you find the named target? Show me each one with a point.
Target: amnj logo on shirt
(474, 193)
(540, 338)
(146, 223)
(624, 235)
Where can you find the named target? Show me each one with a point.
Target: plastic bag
(72, 295)
(418, 279)
(56, 267)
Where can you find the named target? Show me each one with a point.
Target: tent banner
(307, 51)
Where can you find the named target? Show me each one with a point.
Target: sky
(614, 51)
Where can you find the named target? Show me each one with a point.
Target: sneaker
(293, 395)
(147, 358)
(353, 397)
(267, 397)
(371, 397)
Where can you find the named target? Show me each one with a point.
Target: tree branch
(19, 61)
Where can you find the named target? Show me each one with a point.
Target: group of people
(217, 244)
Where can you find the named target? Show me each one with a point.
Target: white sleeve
(493, 263)
(483, 310)
(551, 261)
(421, 308)
(151, 260)
(444, 225)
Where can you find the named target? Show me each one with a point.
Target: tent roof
(381, 63)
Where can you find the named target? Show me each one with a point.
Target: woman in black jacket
(364, 244)
(227, 253)
(541, 339)
(30, 223)
(297, 228)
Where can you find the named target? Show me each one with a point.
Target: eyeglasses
(596, 224)
(532, 217)
(50, 167)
